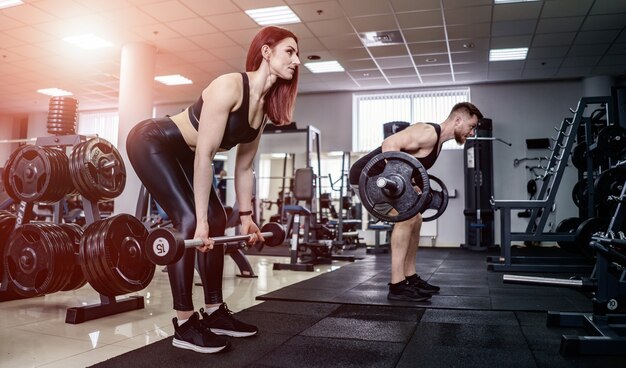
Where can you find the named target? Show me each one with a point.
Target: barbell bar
(166, 245)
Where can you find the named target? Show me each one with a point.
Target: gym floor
(318, 319)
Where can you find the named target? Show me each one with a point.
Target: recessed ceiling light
(512, 1)
(173, 80)
(468, 45)
(54, 92)
(273, 15)
(324, 67)
(508, 54)
(10, 3)
(431, 60)
(88, 41)
(313, 57)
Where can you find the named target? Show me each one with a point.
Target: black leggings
(164, 163)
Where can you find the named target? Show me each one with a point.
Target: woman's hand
(202, 232)
(249, 227)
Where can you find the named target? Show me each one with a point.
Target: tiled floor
(33, 332)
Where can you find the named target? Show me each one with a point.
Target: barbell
(166, 245)
(397, 180)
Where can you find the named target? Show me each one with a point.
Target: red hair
(281, 98)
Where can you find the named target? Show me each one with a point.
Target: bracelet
(245, 213)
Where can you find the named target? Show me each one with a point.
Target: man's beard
(460, 139)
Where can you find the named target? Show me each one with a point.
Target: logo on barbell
(161, 246)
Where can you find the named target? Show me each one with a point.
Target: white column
(136, 101)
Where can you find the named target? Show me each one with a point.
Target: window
(371, 111)
(102, 124)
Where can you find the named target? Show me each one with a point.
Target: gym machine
(606, 325)
(541, 207)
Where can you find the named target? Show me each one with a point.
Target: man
(422, 140)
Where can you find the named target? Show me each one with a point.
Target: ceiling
(201, 39)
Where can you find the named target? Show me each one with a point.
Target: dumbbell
(166, 246)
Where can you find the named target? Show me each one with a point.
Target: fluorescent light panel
(88, 41)
(54, 92)
(508, 54)
(10, 3)
(512, 1)
(173, 80)
(273, 16)
(324, 67)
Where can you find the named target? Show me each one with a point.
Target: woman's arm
(244, 184)
(220, 97)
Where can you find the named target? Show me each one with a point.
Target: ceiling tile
(212, 41)
(231, 21)
(231, 52)
(424, 34)
(62, 8)
(155, 32)
(130, 17)
(400, 72)
(581, 61)
(197, 56)
(553, 39)
(428, 18)
(27, 14)
(516, 11)
(387, 51)
(593, 37)
(437, 79)
(7, 41)
(608, 7)
(168, 11)
(299, 29)
(351, 54)
(28, 34)
(555, 25)
(405, 81)
(255, 4)
(478, 44)
(192, 26)
(565, 8)
(433, 69)
(367, 74)
(176, 45)
(479, 14)
(614, 60)
(465, 32)
(588, 50)
(617, 48)
(545, 63)
(360, 7)
(540, 73)
(366, 64)
(598, 22)
(309, 45)
(374, 23)
(570, 72)
(330, 27)
(464, 3)
(513, 28)
(395, 62)
(513, 41)
(210, 7)
(341, 41)
(412, 5)
(470, 56)
(311, 12)
(425, 48)
(547, 52)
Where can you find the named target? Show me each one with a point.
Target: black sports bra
(238, 129)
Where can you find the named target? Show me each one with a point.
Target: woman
(173, 158)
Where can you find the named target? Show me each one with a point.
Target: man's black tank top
(238, 129)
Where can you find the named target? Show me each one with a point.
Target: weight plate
(568, 225)
(612, 141)
(406, 172)
(608, 186)
(585, 231)
(438, 200)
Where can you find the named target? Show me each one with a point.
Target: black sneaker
(405, 292)
(192, 335)
(222, 322)
(423, 286)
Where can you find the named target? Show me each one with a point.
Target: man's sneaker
(222, 322)
(423, 286)
(406, 293)
(193, 336)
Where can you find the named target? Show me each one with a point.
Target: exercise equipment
(389, 181)
(97, 170)
(165, 245)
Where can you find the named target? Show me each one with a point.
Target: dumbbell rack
(108, 305)
(541, 207)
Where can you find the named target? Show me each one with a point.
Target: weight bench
(379, 248)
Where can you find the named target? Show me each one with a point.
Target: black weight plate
(580, 194)
(7, 170)
(401, 167)
(7, 222)
(29, 175)
(612, 141)
(568, 225)
(610, 184)
(438, 200)
(585, 231)
(579, 156)
(77, 279)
